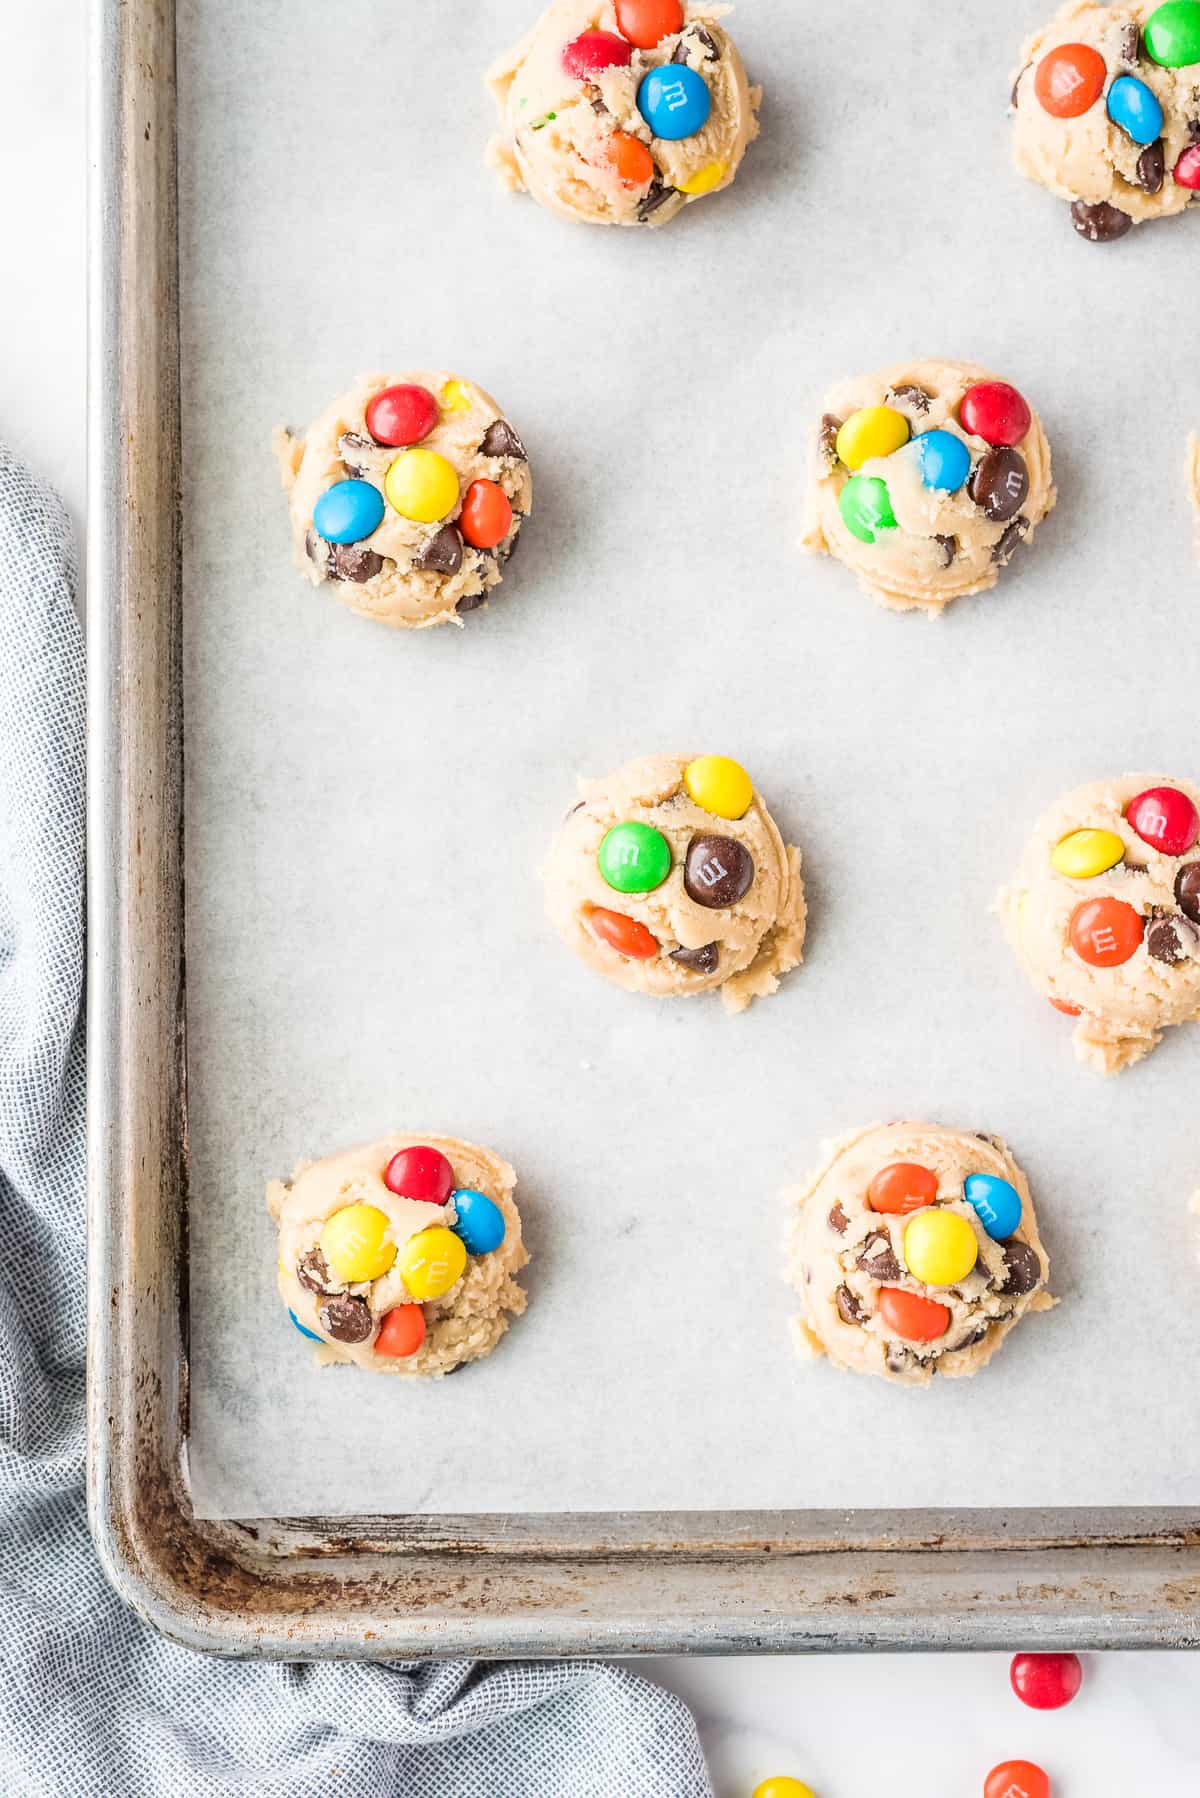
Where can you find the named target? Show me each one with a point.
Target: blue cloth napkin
(93, 1704)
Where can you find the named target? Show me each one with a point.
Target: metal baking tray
(386, 1586)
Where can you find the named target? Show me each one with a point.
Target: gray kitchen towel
(92, 1703)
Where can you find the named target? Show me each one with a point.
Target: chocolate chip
(1016, 92)
(358, 453)
(596, 101)
(717, 871)
(443, 553)
(353, 562)
(471, 602)
(910, 398)
(703, 961)
(837, 1219)
(878, 1258)
(657, 195)
(1152, 168)
(1131, 43)
(1006, 548)
(501, 440)
(697, 34)
(1132, 867)
(346, 1318)
(1100, 223)
(1193, 130)
(849, 1309)
(827, 440)
(949, 549)
(1000, 484)
(507, 550)
(1187, 891)
(312, 1271)
(1171, 939)
(1024, 1268)
(318, 549)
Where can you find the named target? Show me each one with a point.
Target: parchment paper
(366, 810)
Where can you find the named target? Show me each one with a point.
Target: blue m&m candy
(311, 1334)
(1135, 108)
(480, 1225)
(945, 460)
(674, 101)
(348, 511)
(997, 1205)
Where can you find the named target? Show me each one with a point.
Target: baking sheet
(366, 810)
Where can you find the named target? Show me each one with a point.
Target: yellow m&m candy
(783, 1787)
(356, 1244)
(871, 431)
(719, 785)
(456, 397)
(705, 179)
(1086, 853)
(421, 485)
(940, 1247)
(432, 1262)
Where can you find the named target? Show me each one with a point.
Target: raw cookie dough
(944, 542)
(726, 907)
(578, 143)
(1107, 924)
(846, 1258)
(1064, 137)
(446, 1306)
(407, 571)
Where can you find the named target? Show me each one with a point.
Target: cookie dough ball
(1105, 913)
(670, 877)
(926, 479)
(400, 1256)
(916, 1251)
(1108, 112)
(408, 495)
(622, 114)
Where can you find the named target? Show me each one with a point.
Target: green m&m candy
(634, 858)
(1173, 34)
(866, 507)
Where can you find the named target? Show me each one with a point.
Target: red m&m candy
(647, 22)
(996, 412)
(910, 1316)
(1045, 1682)
(1187, 169)
(1165, 818)
(622, 933)
(1106, 932)
(904, 1186)
(1016, 1779)
(400, 416)
(402, 1332)
(592, 51)
(1068, 1010)
(1069, 80)
(486, 514)
(420, 1173)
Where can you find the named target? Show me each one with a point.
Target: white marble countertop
(908, 1726)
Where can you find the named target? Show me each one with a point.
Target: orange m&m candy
(402, 1332)
(914, 1318)
(647, 22)
(623, 934)
(1106, 932)
(631, 159)
(486, 515)
(1068, 1010)
(1016, 1779)
(1069, 80)
(904, 1186)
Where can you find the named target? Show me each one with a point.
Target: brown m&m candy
(1000, 484)
(718, 871)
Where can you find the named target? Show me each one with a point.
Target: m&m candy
(647, 22)
(432, 1262)
(674, 101)
(634, 858)
(592, 51)
(911, 1316)
(945, 461)
(357, 1244)
(996, 412)
(783, 1787)
(904, 1186)
(1172, 34)
(1187, 891)
(940, 1247)
(420, 1173)
(402, 1332)
(1016, 1779)
(487, 514)
(631, 159)
(421, 485)
(626, 935)
(719, 785)
(1165, 818)
(1069, 80)
(870, 432)
(348, 511)
(1045, 1682)
(1105, 932)
(456, 396)
(995, 1202)
(705, 179)
(1135, 108)
(1085, 853)
(311, 1334)
(1187, 169)
(866, 507)
(402, 415)
(480, 1221)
